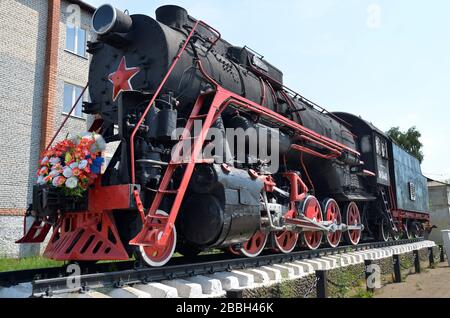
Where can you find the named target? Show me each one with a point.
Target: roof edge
(84, 5)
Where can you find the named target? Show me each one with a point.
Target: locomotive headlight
(108, 19)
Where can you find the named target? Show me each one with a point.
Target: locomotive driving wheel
(352, 216)
(407, 230)
(254, 246)
(333, 214)
(417, 230)
(155, 256)
(385, 230)
(313, 211)
(285, 242)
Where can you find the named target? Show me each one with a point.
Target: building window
(76, 40)
(71, 94)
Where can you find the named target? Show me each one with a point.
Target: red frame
(76, 235)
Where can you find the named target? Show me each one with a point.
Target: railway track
(54, 281)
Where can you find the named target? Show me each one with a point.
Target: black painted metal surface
(397, 269)
(417, 261)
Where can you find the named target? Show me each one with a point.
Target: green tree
(409, 140)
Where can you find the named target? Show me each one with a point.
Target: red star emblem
(121, 79)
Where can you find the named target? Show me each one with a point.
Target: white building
(439, 208)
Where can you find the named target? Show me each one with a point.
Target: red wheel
(254, 246)
(352, 217)
(333, 214)
(285, 242)
(157, 257)
(313, 211)
(231, 250)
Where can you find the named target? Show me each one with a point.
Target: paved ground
(429, 284)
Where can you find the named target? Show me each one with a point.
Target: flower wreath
(73, 164)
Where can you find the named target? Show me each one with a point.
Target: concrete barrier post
(397, 269)
(369, 272)
(446, 237)
(322, 284)
(235, 294)
(442, 253)
(431, 256)
(417, 261)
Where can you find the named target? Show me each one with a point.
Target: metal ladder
(177, 161)
(387, 209)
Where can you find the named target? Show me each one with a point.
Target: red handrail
(313, 152)
(161, 86)
(67, 117)
(252, 106)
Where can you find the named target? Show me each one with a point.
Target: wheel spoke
(312, 210)
(333, 214)
(159, 256)
(353, 217)
(255, 245)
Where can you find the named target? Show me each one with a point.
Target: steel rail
(12, 278)
(205, 265)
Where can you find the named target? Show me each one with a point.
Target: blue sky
(386, 60)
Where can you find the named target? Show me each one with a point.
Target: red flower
(43, 171)
(76, 172)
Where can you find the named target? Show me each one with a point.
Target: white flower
(53, 173)
(67, 172)
(72, 183)
(40, 180)
(83, 164)
(77, 138)
(43, 170)
(99, 145)
(54, 160)
(55, 181)
(44, 161)
(73, 165)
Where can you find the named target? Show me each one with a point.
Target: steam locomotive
(339, 178)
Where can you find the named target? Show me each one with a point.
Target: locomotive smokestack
(171, 15)
(107, 20)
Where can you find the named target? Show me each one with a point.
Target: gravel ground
(431, 283)
(300, 288)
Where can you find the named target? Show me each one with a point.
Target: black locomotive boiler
(338, 179)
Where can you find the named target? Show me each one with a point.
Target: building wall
(22, 62)
(440, 210)
(72, 69)
(23, 35)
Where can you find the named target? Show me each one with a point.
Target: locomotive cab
(373, 145)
